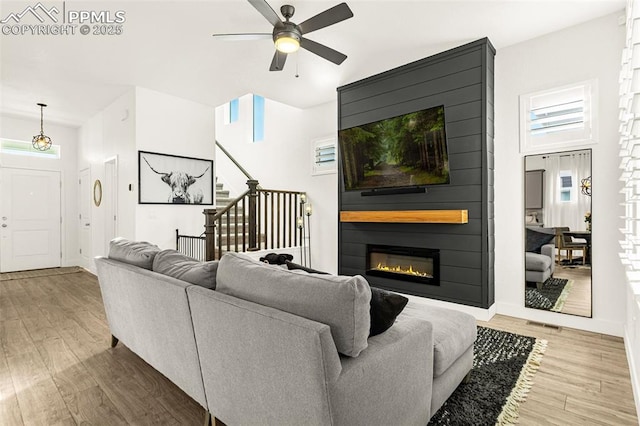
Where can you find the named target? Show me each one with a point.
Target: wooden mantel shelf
(406, 216)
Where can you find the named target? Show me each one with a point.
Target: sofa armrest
(261, 365)
(396, 366)
(550, 251)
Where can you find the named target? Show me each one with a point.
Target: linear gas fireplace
(420, 265)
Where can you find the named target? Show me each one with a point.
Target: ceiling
(167, 46)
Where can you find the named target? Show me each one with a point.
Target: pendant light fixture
(585, 186)
(41, 142)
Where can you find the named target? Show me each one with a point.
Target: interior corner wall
(588, 51)
(170, 125)
(23, 129)
(108, 134)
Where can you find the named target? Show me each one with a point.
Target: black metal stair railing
(258, 219)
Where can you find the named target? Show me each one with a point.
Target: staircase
(255, 220)
(223, 200)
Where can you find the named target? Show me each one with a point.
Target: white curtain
(552, 209)
(581, 169)
(566, 213)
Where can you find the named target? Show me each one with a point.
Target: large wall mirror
(558, 232)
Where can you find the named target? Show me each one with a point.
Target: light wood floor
(579, 299)
(56, 367)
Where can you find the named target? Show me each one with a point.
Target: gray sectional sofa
(273, 346)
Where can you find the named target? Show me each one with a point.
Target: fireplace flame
(400, 270)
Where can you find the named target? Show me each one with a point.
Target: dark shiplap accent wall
(461, 79)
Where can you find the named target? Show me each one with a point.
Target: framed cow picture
(171, 179)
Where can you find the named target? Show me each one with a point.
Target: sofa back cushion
(340, 302)
(185, 268)
(137, 253)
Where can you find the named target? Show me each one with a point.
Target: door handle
(87, 224)
(4, 225)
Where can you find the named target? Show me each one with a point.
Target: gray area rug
(18, 275)
(503, 367)
(551, 297)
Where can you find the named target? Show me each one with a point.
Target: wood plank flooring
(579, 300)
(56, 367)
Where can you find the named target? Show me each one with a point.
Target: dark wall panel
(462, 80)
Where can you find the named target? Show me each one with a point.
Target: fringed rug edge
(511, 410)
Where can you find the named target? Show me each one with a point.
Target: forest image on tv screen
(408, 150)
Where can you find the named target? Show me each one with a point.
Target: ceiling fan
(288, 36)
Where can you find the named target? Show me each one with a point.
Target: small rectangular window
(15, 147)
(566, 186)
(324, 156)
(234, 110)
(559, 117)
(258, 118)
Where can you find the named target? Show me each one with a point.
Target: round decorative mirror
(97, 192)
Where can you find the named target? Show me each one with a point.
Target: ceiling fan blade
(263, 7)
(277, 63)
(323, 51)
(328, 17)
(244, 36)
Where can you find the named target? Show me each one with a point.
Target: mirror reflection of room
(558, 232)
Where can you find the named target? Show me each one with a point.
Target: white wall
(108, 134)
(23, 129)
(283, 160)
(171, 125)
(587, 51)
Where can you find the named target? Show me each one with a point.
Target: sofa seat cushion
(137, 253)
(185, 268)
(536, 262)
(340, 302)
(453, 333)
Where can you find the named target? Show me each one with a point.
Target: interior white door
(29, 219)
(110, 190)
(85, 198)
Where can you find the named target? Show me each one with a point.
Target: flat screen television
(409, 150)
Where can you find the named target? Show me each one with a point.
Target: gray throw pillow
(137, 253)
(340, 302)
(185, 268)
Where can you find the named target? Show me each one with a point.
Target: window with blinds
(558, 117)
(324, 156)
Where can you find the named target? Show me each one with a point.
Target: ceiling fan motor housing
(288, 29)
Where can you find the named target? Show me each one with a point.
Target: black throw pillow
(291, 266)
(384, 308)
(538, 237)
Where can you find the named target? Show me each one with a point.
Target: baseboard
(633, 370)
(594, 325)
(480, 314)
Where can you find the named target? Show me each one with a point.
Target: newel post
(253, 215)
(209, 234)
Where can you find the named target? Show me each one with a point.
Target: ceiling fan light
(287, 44)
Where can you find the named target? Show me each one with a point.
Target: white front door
(29, 219)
